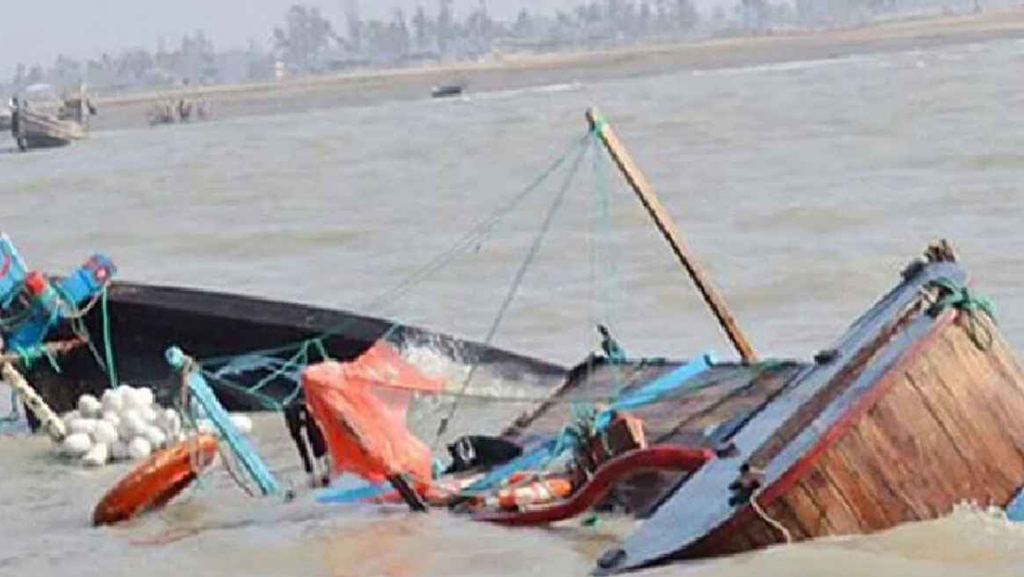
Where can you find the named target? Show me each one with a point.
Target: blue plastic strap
(215, 411)
(655, 390)
(12, 271)
(1015, 510)
(339, 495)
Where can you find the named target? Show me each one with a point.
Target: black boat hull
(145, 320)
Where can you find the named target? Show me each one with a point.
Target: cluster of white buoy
(125, 423)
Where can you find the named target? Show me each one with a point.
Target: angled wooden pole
(649, 199)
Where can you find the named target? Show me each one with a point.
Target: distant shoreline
(529, 69)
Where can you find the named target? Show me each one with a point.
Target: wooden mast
(649, 199)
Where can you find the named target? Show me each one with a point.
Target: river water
(803, 186)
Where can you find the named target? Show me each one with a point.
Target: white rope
(764, 517)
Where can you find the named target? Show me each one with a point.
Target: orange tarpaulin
(361, 406)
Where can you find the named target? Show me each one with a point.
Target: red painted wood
(666, 457)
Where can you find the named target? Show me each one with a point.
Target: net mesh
(362, 408)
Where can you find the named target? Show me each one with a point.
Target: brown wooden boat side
(936, 430)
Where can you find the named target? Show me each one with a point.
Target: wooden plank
(1006, 360)
(645, 192)
(898, 473)
(832, 502)
(1001, 390)
(952, 390)
(867, 496)
(941, 473)
(813, 519)
(879, 474)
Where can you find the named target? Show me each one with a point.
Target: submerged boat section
(910, 413)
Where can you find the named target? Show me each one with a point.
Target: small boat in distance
(447, 90)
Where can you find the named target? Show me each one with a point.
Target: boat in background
(44, 122)
(38, 130)
(447, 90)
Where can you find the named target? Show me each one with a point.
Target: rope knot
(960, 297)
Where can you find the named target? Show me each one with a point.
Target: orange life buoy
(156, 481)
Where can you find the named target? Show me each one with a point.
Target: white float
(125, 423)
(89, 406)
(97, 455)
(113, 401)
(139, 448)
(105, 433)
(76, 444)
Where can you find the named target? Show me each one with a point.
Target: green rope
(29, 356)
(109, 352)
(960, 297)
(468, 241)
(516, 283)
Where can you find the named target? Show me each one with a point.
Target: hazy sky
(36, 31)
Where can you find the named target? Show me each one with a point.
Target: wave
(798, 65)
(526, 91)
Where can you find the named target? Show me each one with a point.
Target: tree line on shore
(306, 42)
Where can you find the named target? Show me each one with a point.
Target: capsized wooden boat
(913, 411)
(145, 320)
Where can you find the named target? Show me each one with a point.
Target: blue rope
(588, 419)
(571, 436)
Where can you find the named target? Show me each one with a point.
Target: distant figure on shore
(13, 104)
(184, 110)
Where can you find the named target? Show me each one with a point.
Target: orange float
(156, 481)
(522, 494)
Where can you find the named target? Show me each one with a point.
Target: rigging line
(475, 234)
(517, 280)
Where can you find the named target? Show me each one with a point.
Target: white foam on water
(796, 66)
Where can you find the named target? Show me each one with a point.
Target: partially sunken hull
(145, 320)
(913, 412)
